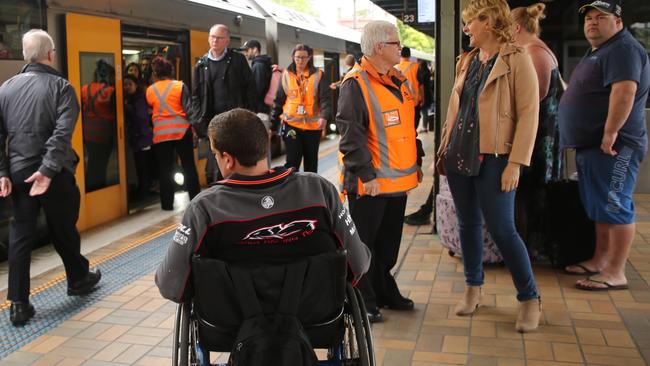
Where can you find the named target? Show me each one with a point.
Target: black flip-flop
(587, 271)
(608, 286)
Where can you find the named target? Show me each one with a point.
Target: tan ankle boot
(529, 313)
(470, 301)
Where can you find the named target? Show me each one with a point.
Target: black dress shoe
(374, 315)
(21, 312)
(85, 285)
(401, 303)
(419, 217)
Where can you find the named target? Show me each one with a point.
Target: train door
(94, 61)
(331, 69)
(198, 47)
(140, 45)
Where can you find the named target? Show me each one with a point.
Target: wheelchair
(331, 310)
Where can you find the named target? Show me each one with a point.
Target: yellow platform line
(60, 277)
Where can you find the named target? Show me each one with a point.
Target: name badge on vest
(391, 118)
(301, 109)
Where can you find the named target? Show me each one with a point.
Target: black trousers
(212, 172)
(141, 159)
(416, 117)
(379, 221)
(61, 207)
(301, 144)
(166, 160)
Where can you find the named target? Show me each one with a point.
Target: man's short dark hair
(253, 43)
(240, 133)
(406, 52)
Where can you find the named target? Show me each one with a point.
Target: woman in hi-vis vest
(170, 102)
(302, 102)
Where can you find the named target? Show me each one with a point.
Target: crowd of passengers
(509, 119)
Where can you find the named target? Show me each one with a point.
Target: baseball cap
(607, 7)
(252, 43)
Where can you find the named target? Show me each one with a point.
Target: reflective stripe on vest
(308, 120)
(169, 118)
(412, 83)
(391, 178)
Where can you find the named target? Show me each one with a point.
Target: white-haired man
(381, 158)
(38, 113)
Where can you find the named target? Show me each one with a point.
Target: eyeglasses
(395, 43)
(301, 58)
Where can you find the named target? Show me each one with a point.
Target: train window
(16, 18)
(99, 123)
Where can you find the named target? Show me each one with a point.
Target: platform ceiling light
(130, 52)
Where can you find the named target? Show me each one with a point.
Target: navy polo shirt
(585, 103)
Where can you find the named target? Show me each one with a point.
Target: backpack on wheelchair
(272, 312)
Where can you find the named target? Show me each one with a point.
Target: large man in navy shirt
(602, 116)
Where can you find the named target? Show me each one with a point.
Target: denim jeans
(480, 197)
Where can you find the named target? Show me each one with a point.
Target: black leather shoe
(374, 315)
(85, 285)
(21, 312)
(401, 303)
(419, 217)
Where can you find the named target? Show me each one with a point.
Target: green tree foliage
(414, 39)
(303, 6)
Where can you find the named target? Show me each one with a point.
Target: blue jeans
(481, 197)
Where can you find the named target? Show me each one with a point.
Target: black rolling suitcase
(570, 234)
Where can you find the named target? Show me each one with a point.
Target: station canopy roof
(283, 15)
(294, 18)
(243, 7)
(407, 11)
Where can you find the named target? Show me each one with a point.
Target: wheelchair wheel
(366, 326)
(356, 334)
(183, 352)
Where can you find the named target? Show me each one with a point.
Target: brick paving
(133, 325)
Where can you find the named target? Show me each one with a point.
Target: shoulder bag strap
(292, 288)
(245, 291)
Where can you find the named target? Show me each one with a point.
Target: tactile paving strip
(54, 306)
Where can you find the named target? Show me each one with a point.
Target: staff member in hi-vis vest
(414, 81)
(302, 102)
(170, 103)
(381, 159)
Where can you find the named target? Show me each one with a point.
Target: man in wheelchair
(256, 217)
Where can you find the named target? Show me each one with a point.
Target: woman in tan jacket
(488, 135)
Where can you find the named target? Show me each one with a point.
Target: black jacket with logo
(274, 217)
(38, 114)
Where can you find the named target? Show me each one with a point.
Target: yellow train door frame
(198, 47)
(87, 36)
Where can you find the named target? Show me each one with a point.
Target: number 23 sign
(408, 18)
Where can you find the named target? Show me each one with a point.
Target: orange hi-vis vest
(391, 133)
(410, 70)
(98, 101)
(302, 106)
(169, 118)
